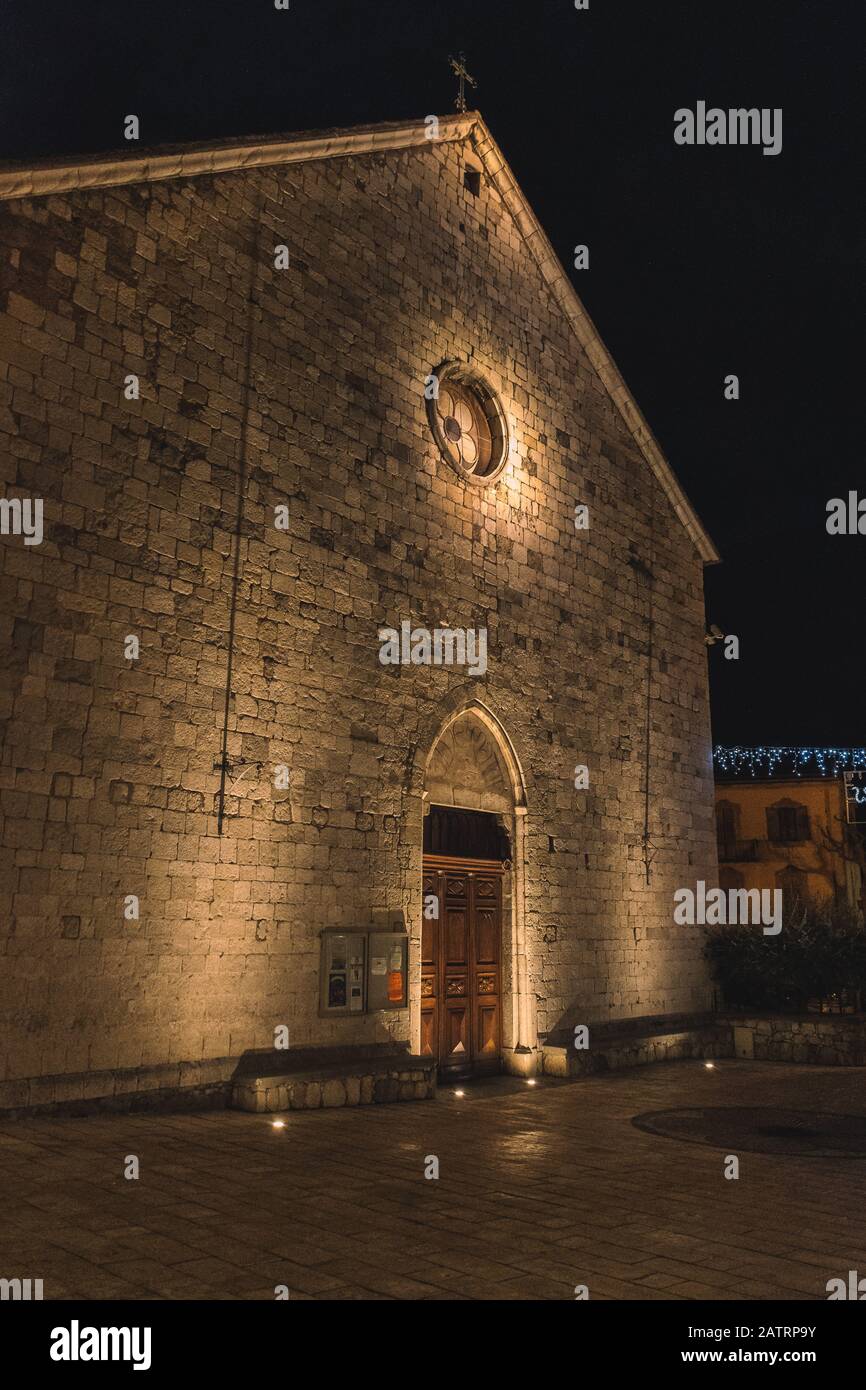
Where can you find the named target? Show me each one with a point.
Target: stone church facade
(279, 400)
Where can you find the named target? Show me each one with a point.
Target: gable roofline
(57, 177)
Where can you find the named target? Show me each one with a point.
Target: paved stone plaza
(541, 1189)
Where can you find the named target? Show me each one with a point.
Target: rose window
(469, 426)
(465, 427)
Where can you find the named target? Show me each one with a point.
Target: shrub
(820, 951)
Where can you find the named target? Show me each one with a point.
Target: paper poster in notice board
(342, 970)
(388, 977)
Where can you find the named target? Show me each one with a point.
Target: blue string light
(767, 761)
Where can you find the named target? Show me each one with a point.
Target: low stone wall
(822, 1039)
(412, 1078)
(632, 1050)
(296, 1080)
(175, 1086)
(371, 1075)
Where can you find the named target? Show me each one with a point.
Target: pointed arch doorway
(472, 964)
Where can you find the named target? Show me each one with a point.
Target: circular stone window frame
(485, 400)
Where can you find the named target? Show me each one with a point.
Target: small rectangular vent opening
(472, 180)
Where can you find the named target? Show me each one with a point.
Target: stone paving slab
(540, 1189)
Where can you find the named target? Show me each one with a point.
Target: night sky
(703, 261)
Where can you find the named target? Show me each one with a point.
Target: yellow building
(786, 818)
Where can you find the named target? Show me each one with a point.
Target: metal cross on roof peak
(458, 67)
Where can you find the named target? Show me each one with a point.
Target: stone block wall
(308, 384)
(822, 1040)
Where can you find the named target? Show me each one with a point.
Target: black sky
(703, 262)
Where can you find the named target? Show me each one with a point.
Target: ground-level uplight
(278, 1124)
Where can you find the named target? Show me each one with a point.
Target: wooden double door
(461, 972)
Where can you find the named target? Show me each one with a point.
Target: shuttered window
(726, 821)
(788, 823)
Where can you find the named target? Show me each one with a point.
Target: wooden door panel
(429, 925)
(486, 936)
(456, 1040)
(460, 970)
(456, 937)
(486, 888)
(487, 1029)
(428, 941)
(429, 1040)
(430, 968)
(486, 950)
